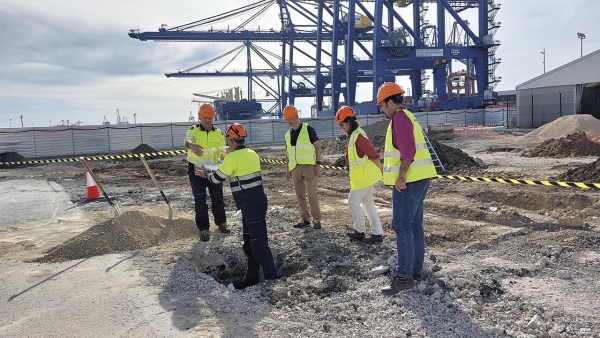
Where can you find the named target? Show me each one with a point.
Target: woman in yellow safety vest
(365, 169)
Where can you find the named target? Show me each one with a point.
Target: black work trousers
(256, 244)
(199, 187)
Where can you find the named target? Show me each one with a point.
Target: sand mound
(131, 230)
(562, 127)
(572, 145)
(586, 173)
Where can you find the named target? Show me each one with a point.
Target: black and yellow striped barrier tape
(581, 185)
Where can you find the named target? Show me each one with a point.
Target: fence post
(250, 127)
(108, 137)
(532, 110)
(34, 142)
(273, 128)
(172, 137)
(141, 134)
(73, 140)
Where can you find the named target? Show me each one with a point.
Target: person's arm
(317, 145)
(364, 147)
(287, 168)
(190, 143)
(404, 140)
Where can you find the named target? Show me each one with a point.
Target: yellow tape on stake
(581, 185)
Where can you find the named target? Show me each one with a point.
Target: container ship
(229, 105)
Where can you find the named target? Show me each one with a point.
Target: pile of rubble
(11, 156)
(572, 145)
(585, 173)
(563, 126)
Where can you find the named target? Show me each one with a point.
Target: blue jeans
(407, 222)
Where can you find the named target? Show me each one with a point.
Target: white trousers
(365, 197)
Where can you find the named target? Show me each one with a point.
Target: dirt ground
(502, 260)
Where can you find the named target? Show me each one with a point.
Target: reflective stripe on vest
(303, 152)
(210, 141)
(238, 183)
(421, 168)
(363, 172)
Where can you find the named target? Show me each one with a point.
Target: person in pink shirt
(365, 169)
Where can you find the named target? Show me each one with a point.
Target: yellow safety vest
(363, 172)
(210, 141)
(243, 168)
(421, 168)
(303, 152)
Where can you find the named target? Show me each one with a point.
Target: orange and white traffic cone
(92, 188)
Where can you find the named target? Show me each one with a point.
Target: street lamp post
(581, 36)
(544, 52)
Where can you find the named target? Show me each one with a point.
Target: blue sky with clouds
(73, 60)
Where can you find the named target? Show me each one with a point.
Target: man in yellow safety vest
(408, 168)
(303, 160)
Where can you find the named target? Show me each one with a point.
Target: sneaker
(359, 236)
(204, 236)
(374, 239)
(316, 224)
(398, 284)
(302, 223)
(223, 228)
(244, 283)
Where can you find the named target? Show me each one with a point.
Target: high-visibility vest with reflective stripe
(363, 172)
(210, 140)
(243, 168)
(303, 152)
(421, 168)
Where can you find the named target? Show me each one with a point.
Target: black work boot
(398, 284)
(302, 223)
(224, 229)
(359, 236)
(374, 239)
(245, 282)
(204, 236)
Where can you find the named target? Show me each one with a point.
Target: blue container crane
(393, 45)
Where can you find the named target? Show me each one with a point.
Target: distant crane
(191, 118)
(121, 121)
(21, 121)
(106, 122)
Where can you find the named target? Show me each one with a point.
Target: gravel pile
(572, 145)
(130, 230)
(562, 127)
(585, 173)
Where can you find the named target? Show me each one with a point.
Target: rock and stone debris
(11, 156)
(129, 231)
(572, 145)
(585, 173)
(561, 127)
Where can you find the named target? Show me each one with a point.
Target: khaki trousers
(305, 184)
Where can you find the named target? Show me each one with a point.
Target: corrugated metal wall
(538, 106)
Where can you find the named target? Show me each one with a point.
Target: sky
(73, 60)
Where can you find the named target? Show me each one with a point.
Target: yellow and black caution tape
(580, 185)
(528, 182)
(96, 158)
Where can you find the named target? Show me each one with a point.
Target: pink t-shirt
(403, 136)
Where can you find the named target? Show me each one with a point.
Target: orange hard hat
(206, 110)
(289, 111)
(236, 130)
(343, 113)
(388, 89)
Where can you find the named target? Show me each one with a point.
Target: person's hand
(287, 175)
(317, 169)
(379, 165)
(401, 182)
(196, 149)
(202, 173)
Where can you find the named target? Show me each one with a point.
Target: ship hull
(245, 110)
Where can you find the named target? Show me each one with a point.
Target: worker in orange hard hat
(408, 168)
(201, 140)
(242, 167)
(303, 160)
(362, 161)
